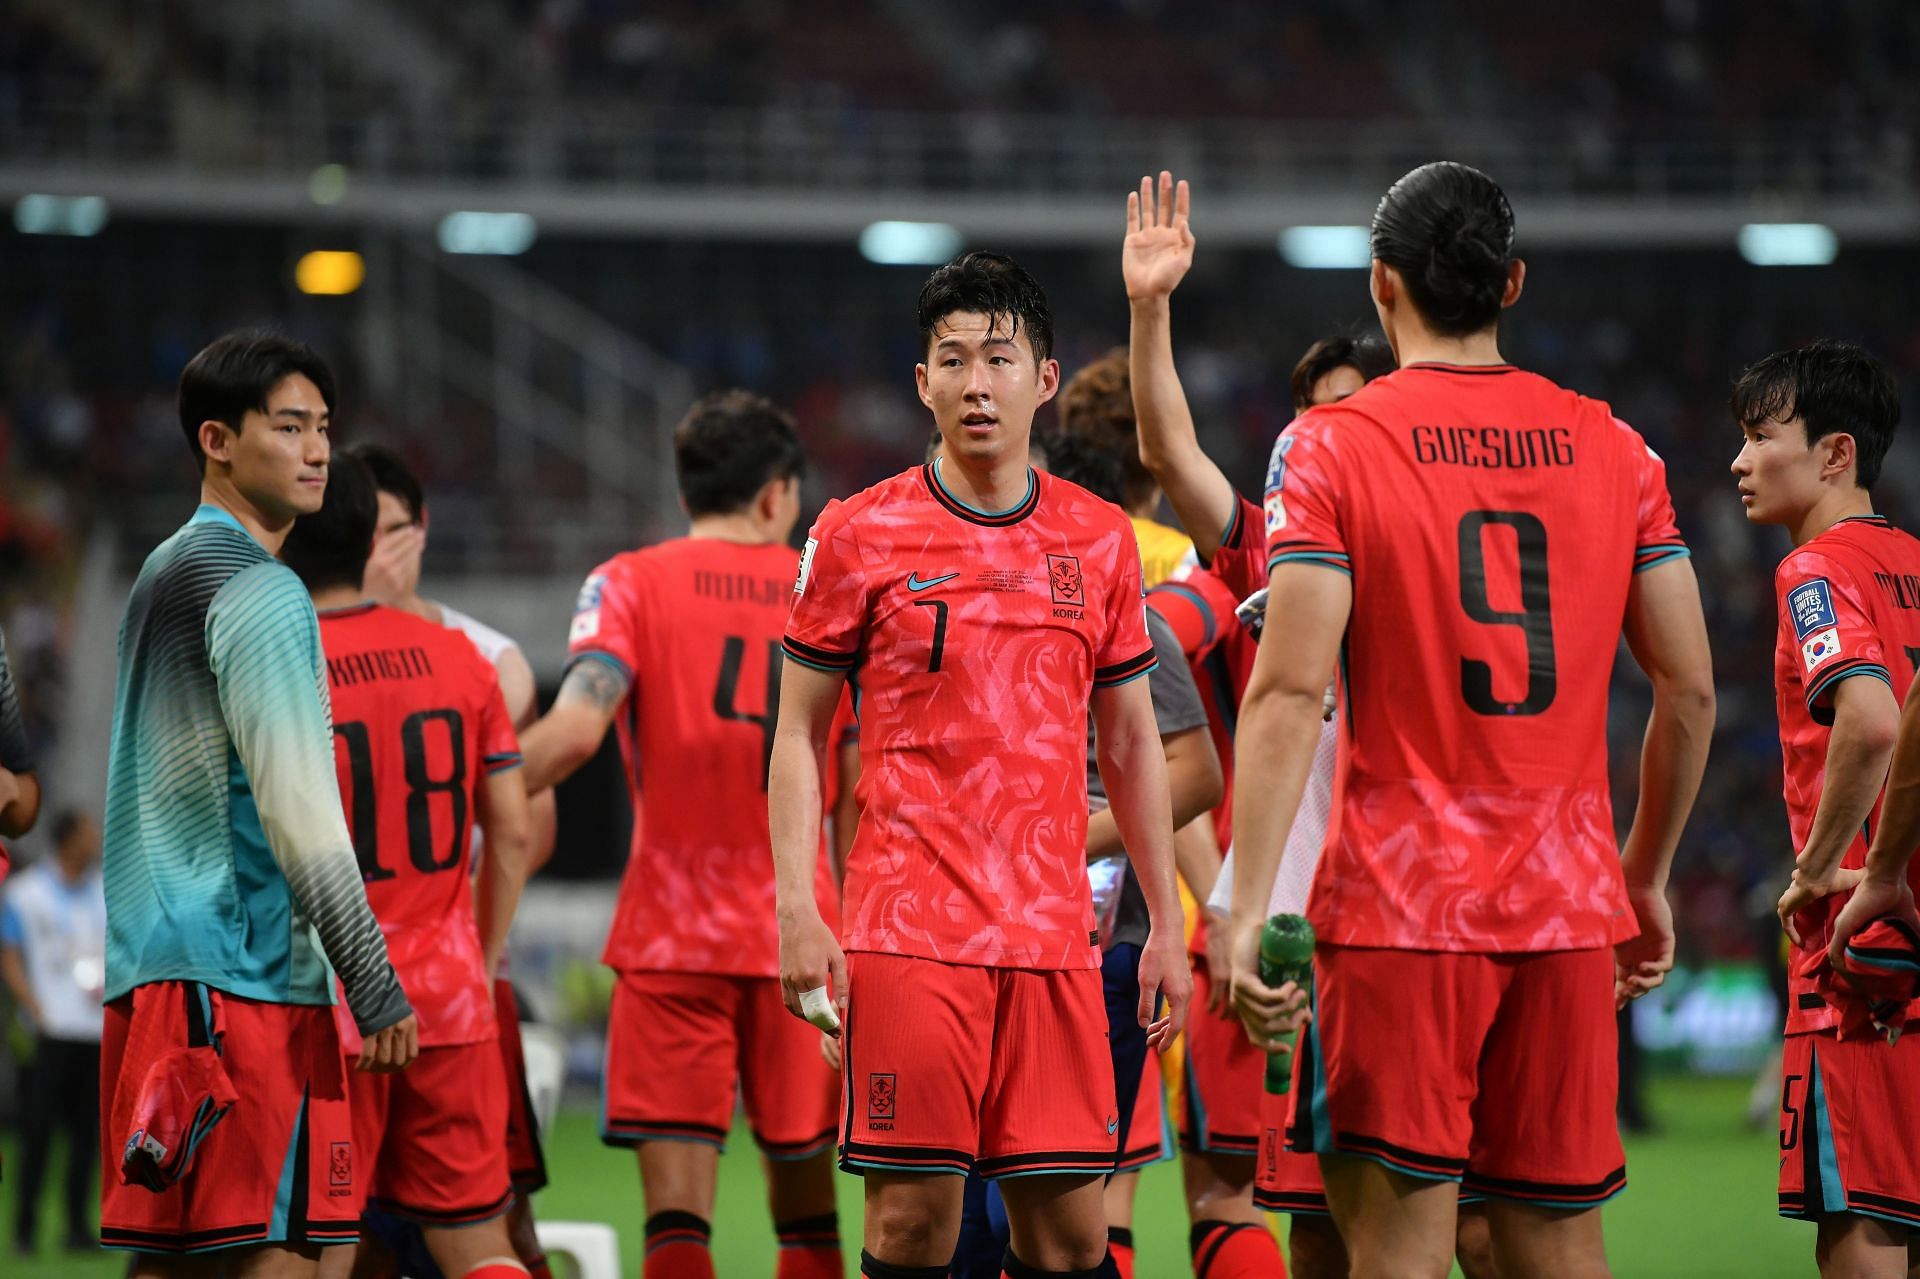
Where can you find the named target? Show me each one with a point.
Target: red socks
(810, 1248)
(497, 1270)
(677, 1247)
(1235, 1250)
(1120, 1248)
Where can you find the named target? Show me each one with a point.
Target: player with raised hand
(1466, 542)
(980, 607)
(225, 852)
(1818, 421)
(423, 749)
(393, 578)
(679, 644)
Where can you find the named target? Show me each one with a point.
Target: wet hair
(1085, 461)
(994, 286)
(392, 475)
(1833, 387)
(1368, 356)
(727, 448)
(1448, 230)
(1097, 404)
(330, 547)
(233, 376)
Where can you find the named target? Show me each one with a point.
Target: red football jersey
(695, 625)
(1491, 522)
(1241, 561)
(418, 721)
(974, 641)
(1849, 605)
(1199, 606)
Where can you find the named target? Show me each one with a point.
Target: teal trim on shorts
(1833, 1194)
(283, 1194)
(1319, 1117)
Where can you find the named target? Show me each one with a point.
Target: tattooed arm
(567, 736)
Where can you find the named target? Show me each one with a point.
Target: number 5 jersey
(694, 625)
(1492, 523)
(418, 724)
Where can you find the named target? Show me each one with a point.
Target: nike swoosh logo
(915, 585)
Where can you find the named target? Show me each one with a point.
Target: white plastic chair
(591, 1246)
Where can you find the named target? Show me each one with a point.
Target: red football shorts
(1147, 1141)
(435, 1136)
(958, 1066)
(1846, 1129)
(1221, 1112)
(280, 1168)
(677, 1045)
(526, 1162)
(1497, 1071)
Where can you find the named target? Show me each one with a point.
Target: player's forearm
(1196, 855)
(1143, 812)
(507, 862)
(1278, 731)
(1858, 751)
(556, 747)
(543, 813)
(1103, 834)
(1899, 831)
(1169, 446)
(794, 806)
(1673, 757)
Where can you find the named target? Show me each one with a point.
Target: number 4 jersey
(694, 624)
(418, 723)
(1492, 523)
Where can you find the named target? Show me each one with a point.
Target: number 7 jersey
(974, 640)
(1492, 523)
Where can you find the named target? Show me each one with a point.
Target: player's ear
(1516, 281)
(1382, 283)
(1049, 380)
(216, 440)
(1842, 454)
(920, 383)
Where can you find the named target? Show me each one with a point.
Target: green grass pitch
(1700, 1203)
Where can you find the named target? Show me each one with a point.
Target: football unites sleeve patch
(829, 617)
(1303, 495)
(1830, 626)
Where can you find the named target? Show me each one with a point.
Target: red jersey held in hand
(1492, 523)
(418, 723)
(695, 625)
(1849, 606)
(975, 640)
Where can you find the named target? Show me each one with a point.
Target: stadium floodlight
(60, 214)
(1788, 243)
(328, 184)
(1326, 247)
(329, 272)
(909, 243)
(502, 234)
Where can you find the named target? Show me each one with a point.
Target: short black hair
(1086, 461)
(1448, 230)
(1368, 356)
(729, 446)
(233, 376)
(994, 286)
(391, 474)
(67, 822)
(330, 547)
(1834, 388)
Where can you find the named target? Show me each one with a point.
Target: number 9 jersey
(1492, 523)
(418, 723)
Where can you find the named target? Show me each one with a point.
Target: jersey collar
(930, 473)
(1476, 370)
(1880, 520)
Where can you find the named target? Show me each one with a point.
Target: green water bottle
(1286, 955)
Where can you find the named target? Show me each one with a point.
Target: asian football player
(1471, 540)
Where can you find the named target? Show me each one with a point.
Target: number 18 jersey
(695, 625)
(1492, 523)
(418, 722)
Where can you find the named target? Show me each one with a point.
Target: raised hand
(1159, 246)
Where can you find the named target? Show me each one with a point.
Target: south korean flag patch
(1820, 647)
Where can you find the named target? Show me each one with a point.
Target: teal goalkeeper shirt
(226, 854)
